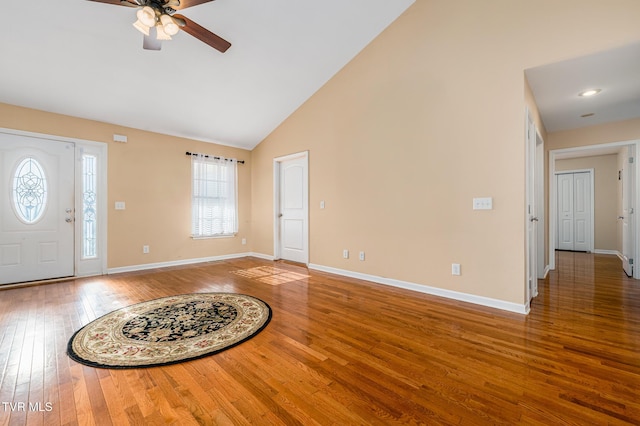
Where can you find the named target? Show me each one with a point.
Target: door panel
(565, 212)
(36, 219)
(582, 211)
(574, 211)
(293, 210)
(628, 177)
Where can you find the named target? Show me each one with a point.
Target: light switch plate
(120, 205)
(455, 269)
(485, 203)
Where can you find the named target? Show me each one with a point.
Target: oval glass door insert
(29, 190)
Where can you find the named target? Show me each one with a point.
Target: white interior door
(582, 212)
(532, 219)
(36, 212)
(540, 205)
(292, 212)
(628, 177)
(565, 212)
(575, 207)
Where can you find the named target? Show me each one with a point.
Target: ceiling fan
(158, 21)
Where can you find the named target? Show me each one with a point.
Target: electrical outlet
(361, 257)
(322, 204)
(345, 254)
(244, 241)
(455, 269)
(145, 249)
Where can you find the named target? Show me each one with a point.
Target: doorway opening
(624, 227)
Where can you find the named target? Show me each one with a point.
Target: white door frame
(570, 153)
(531, 220)
(627, 253)
(592, 210)
(98, 265)
(277, 163)
(543, 268)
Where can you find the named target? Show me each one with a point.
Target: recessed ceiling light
(589, 92)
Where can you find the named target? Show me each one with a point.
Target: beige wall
(428, 116)
(622, 131)
(152, 175)
(605, 196)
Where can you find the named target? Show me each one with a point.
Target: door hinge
(630, 159)
(630, 261)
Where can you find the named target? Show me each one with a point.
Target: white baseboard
(547, 269)
(614, 252)
(449, 294)
(181, 262)
(263, 256)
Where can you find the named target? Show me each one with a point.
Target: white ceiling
(556, 87)
(85, 59)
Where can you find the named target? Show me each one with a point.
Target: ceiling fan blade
(189, 3)
(128, 3)
(203, 34)
(151, 42)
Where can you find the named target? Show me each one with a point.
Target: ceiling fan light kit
(147, 16)
(144, 29)
(169, 25)
(159, 15)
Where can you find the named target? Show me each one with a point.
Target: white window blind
(214, 197)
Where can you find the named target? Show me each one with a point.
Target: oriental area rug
(169, 330)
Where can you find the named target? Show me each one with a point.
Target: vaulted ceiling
(85, 59)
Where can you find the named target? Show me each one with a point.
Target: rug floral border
(102, 344)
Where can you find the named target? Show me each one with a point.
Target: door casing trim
(276, 202)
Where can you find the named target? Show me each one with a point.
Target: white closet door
(574, 211)
(565, 212)
(582, 211)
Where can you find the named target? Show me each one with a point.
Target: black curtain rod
(217, 158)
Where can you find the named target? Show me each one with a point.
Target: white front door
(37, 209)
(292, 211)
(575, 206)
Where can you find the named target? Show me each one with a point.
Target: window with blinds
(214, 197)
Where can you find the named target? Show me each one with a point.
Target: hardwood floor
(338, 351)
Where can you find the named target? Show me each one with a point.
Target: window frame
(207, 177)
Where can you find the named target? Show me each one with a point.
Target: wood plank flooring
(338, 351)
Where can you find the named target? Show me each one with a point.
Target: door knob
(534, 219)
(68, 220)
(280, 215)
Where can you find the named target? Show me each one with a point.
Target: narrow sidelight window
(89, 208)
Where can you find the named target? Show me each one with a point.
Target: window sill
(209, 237)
